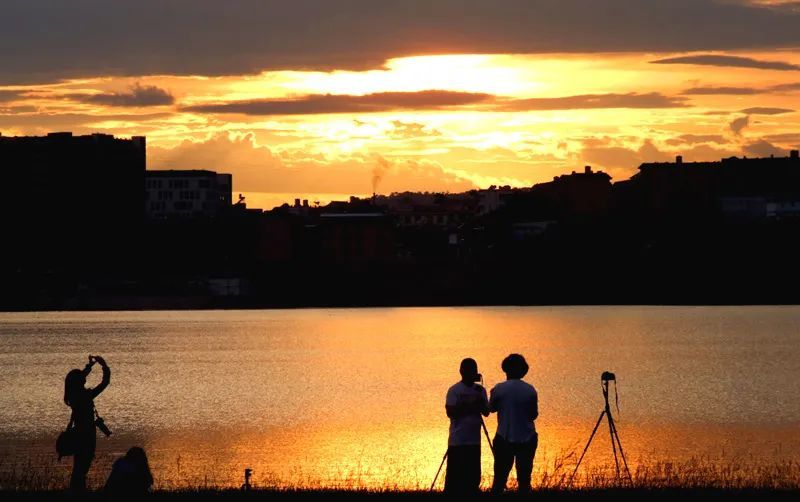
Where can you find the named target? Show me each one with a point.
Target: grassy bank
(539, 495)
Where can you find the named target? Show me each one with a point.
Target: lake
(355, 397)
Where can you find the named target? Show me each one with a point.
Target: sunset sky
(310, 98)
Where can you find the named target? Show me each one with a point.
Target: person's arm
(484, 403)
(106, 378)
(534, 410)
(492, 402)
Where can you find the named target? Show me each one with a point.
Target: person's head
(515, 366)
(73, 384)
(469, 370)
(138, 457)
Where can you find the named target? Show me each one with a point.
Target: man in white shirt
(465, 403)
(517, 406)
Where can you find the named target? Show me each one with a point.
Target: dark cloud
(433, 100)
(738, 125)
(46, 40)
(9, 95)
(345, 103)
(794, 86)
(729, 61)
(710, 91)
(593, 101)
(743, 91)
(762, 110)
(138, 95)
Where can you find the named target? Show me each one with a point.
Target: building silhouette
(187, 194)
(72, 204)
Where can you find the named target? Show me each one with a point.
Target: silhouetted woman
(81, 400)
(130, 474)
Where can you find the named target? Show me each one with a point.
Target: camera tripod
(491, 448)
(605, 378)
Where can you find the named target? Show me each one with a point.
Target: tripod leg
(613, 443)
(622, 453)
(486, 431)
(440, 469)
(594, 431)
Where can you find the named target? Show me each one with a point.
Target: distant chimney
(305, 202)
(587, 169)
(679, 159)
(794, 154)
(297, 203)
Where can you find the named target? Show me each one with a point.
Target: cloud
(10, 95)
(732, 91)
(742, 91)
(763, 148)
(433, 100)
(623, 158)
(411, 130)
(729, 61)
(138, 95)
(595, 101)
(761, 110)
(48, 40)
(345, 103)
(693, 139)
(257, 168)
(737, 125)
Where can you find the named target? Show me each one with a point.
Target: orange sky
(447, 122)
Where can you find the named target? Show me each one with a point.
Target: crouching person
(130, 475)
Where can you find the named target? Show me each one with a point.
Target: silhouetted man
(517, 406)
(465, 403)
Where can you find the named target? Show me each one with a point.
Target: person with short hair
(517, 405)
(465, 403)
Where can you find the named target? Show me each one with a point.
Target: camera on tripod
(607, 376)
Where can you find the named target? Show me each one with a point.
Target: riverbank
(539, 495)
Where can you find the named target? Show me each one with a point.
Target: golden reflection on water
(355, 398)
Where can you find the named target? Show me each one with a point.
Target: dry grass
(551, 476)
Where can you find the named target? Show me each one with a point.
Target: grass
(551, 478)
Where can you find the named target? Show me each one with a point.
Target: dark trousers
(81, 462)
(506, 454)
(463, 469)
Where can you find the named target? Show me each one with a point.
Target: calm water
(356, 397)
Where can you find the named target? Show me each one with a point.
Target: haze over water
(356, 396)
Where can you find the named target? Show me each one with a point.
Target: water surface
(356, 396)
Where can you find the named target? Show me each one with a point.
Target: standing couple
(517, 406)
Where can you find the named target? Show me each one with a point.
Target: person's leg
(503, 459)
(473, 469)
(455, 477)
(524, 460)
(80, 468)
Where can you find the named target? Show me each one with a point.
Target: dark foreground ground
(539, 495)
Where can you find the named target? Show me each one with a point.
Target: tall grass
(554, 474)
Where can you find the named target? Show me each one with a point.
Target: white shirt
(515, 401)
(465, 430)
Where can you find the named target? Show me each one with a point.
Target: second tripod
(605, 378)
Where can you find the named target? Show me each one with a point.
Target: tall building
(186, 194)
(70, 201)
